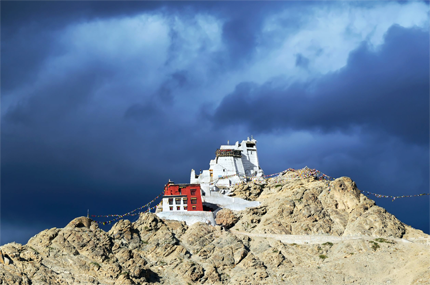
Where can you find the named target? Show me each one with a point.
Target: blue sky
(103, 102)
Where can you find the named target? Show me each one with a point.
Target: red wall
(172, 189)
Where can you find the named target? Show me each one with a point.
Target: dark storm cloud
(52, 15)
(141, 111)
(54, 177)
(24, 60)
(240, 36)
(302, 61)
(29, 29)
(54, 100)
(63, 158)
(384, 91)
(17, 12)
(155, 106)
(175, 81)
(242, 31)
(93, 134)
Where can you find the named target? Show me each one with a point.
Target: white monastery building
(199, 200)
(232, 164)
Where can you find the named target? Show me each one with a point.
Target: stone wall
(190, 217)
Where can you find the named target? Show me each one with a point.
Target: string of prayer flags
(394, 197)
(122, 216)
(129, 213)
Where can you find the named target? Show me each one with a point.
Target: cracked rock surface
(156, 251)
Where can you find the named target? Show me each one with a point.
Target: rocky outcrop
(249, 191)
(309, 206)
(366, 248)
(226, 218)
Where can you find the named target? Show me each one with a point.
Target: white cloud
(326, 36)
(140, 51)
(120, 39)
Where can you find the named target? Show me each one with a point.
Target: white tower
(232, 164)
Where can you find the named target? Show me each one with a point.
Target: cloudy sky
(103, 102)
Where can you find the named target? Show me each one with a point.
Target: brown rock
(191, 271)
(83, 222)
(226, 218)
(153, 251)
(249, 191)
(212, 274)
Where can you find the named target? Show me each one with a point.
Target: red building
(182, 197)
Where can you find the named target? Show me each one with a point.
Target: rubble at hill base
(381, 250)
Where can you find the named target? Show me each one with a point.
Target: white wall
(190, 218)
(193, 178)
(236, 204)
(224, 166)
(166, 205)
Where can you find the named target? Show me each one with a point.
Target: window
(193, 200)
(171, 208)
(170, 201)
(180, 191)
(185, 208)
(193, 192)
(184, 201)
(178, 208)
(177, 201)
(194, 207)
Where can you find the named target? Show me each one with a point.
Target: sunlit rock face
(304, 231)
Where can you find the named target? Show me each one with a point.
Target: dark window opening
(193, 191)
(171, 208)
(193, 200)
(178, 208)
(170, 201)
(194, 207)
(177, 201)
(250, 145)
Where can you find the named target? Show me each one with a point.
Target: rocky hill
(301, 234)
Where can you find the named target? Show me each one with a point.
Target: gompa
(208, 192)
(182, 197)
(233, 164)
(183, 202)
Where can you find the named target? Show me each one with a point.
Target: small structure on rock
(183, 202)
(182, 197)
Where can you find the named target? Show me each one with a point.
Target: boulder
(226, 218)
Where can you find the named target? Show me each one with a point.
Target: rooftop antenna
(88, 213)
(252, 137)
(228, 142)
